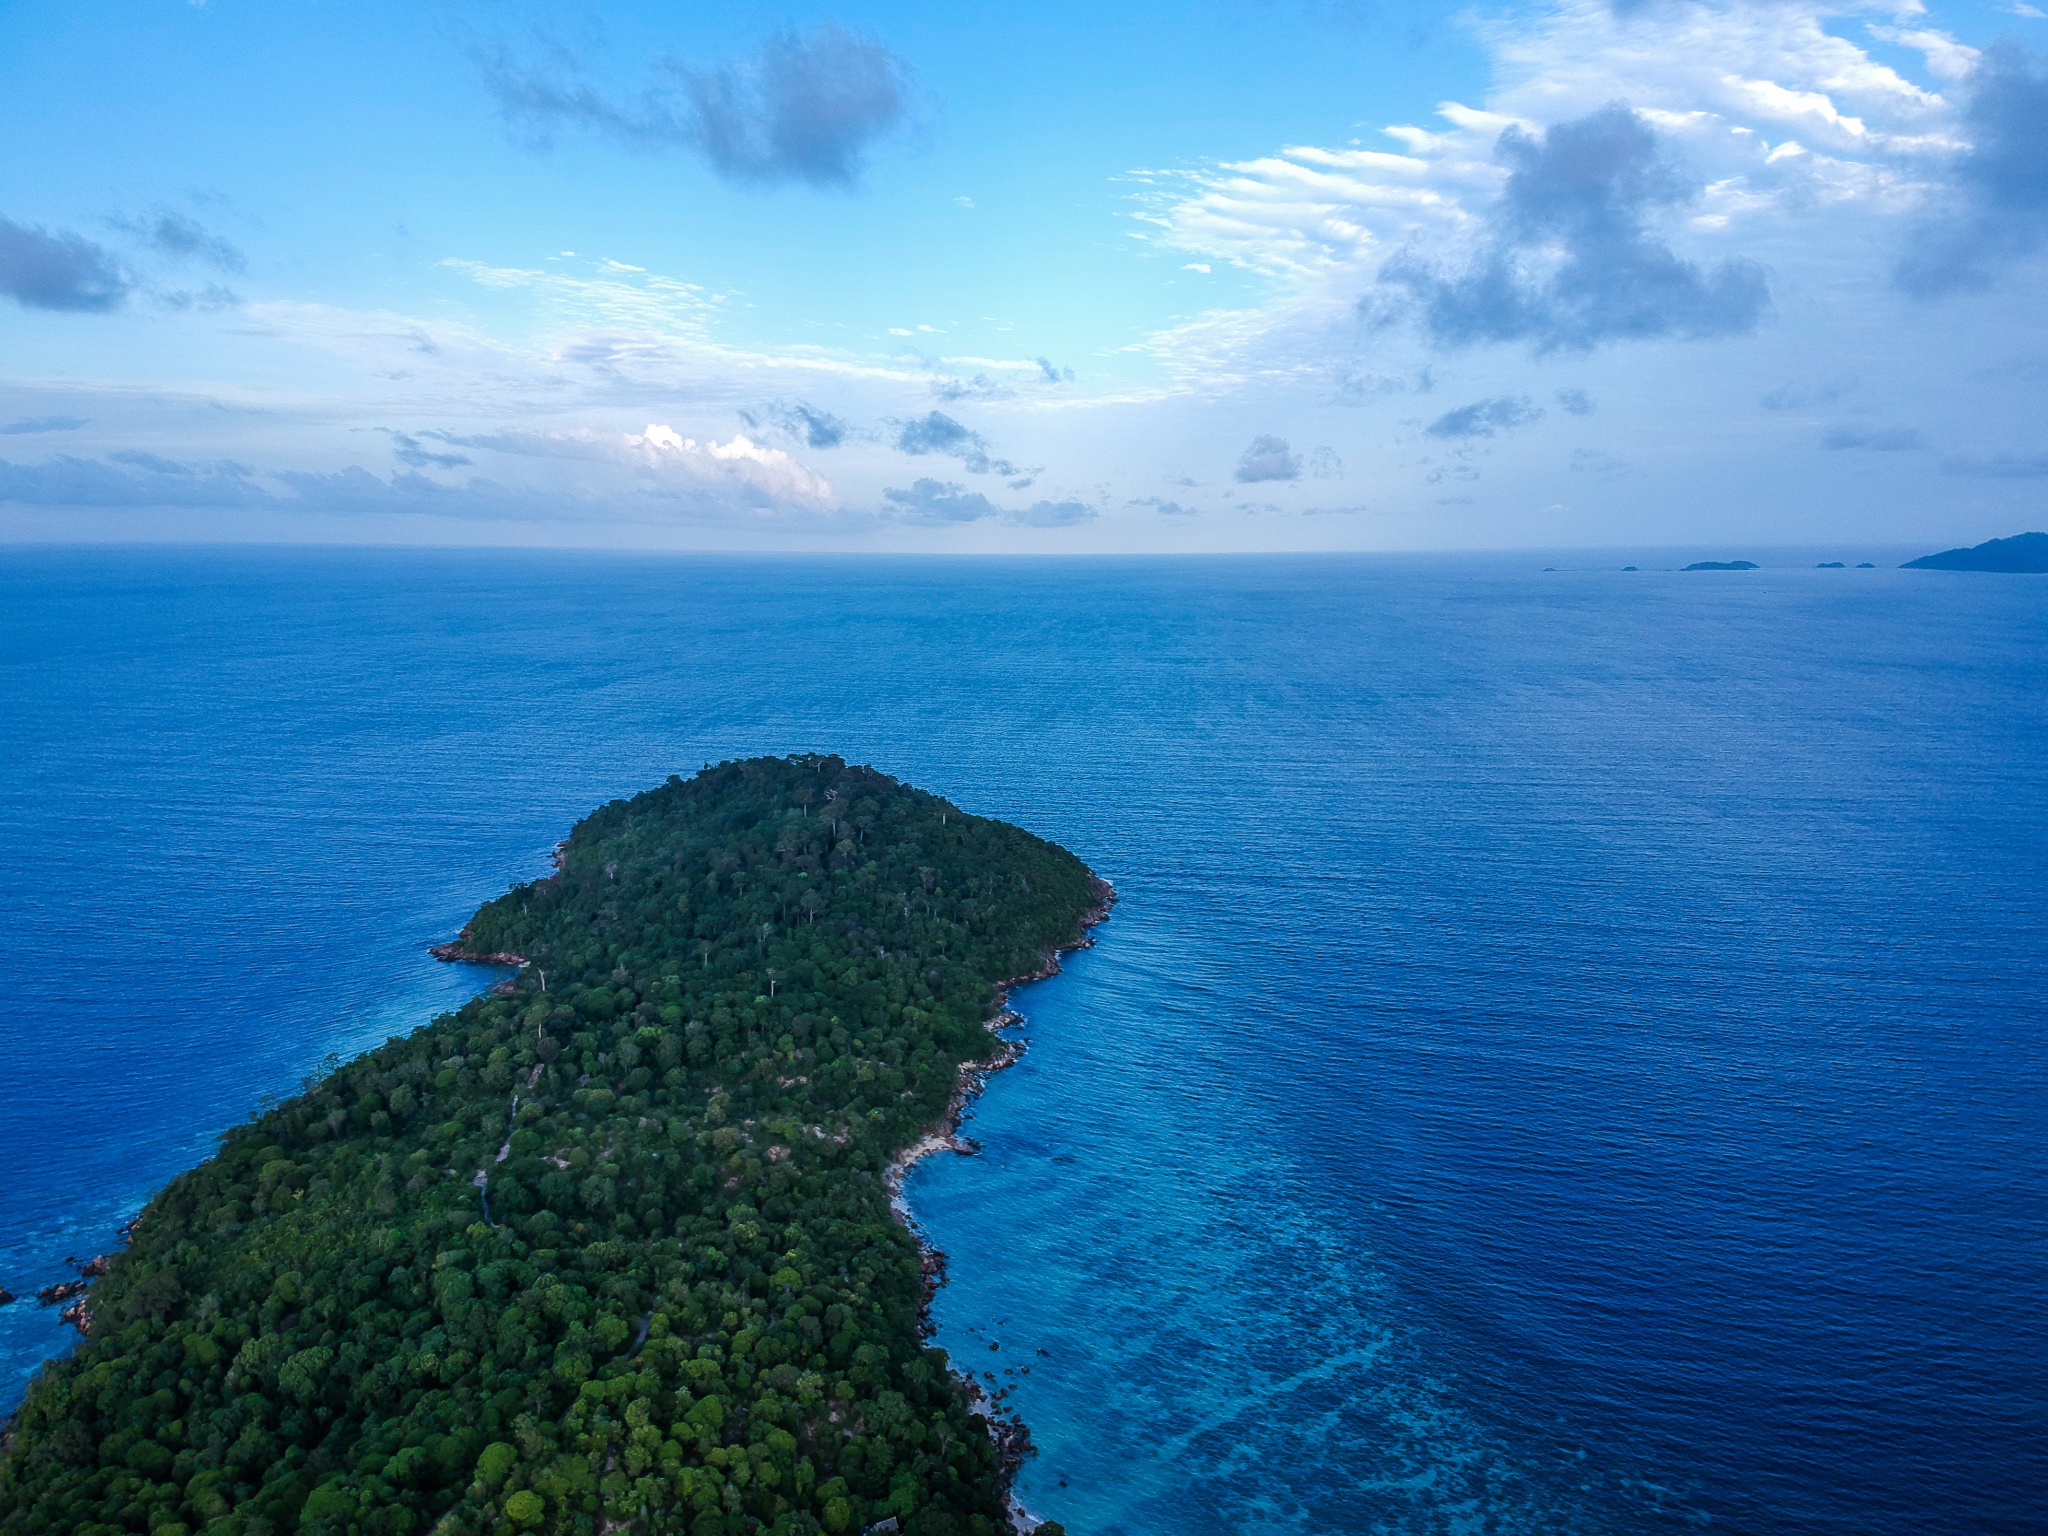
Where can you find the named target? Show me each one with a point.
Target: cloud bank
(934, 502)
(1995, 208)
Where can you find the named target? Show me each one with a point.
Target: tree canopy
(607, 1247)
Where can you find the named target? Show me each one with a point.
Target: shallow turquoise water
(1568, 1056)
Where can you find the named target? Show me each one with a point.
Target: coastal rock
(5, 1296)
(63, 1290)
(455, 952)
(2022, 554)
(1830, 565)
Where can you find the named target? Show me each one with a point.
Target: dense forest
(609, 1247)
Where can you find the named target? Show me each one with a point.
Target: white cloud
(618, 295)
(740, 463)
(1785, 125)
(1946, 58)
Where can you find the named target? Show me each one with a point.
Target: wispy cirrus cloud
(36, 424)
(1602, 195)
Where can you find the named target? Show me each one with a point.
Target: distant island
(611, 1247)
(2025, 553)
(1721, 565)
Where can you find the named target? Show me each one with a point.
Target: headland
(614, 1255)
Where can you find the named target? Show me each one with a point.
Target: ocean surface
(1569, 1056)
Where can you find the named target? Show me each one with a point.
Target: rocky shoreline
(454, 952)
(73, 1295)
(1012, 1436)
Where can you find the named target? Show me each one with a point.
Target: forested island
(2023, 554)
(610, 1248)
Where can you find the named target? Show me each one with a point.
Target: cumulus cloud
(1569, 261)
(1164, 507)
(939, 501)
(1575, 402)
(1268, 457)
(1051, 374)
(760, 475)
(181, 238)
(800, 422)
(1996, 206)
(806, 108)
(41, 269)
(1486, 418)
(1845, 435)
(30, 424)
(936, 432)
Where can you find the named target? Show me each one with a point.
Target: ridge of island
(609, 1248)
(2022, 554)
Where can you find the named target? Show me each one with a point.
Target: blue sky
(1203, 277)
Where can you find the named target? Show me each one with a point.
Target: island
(611, 1247)
(1721, 565)
(2022, 554)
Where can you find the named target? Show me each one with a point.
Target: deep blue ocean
(1569, 1056)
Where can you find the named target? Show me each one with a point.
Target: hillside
(616, 1254)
